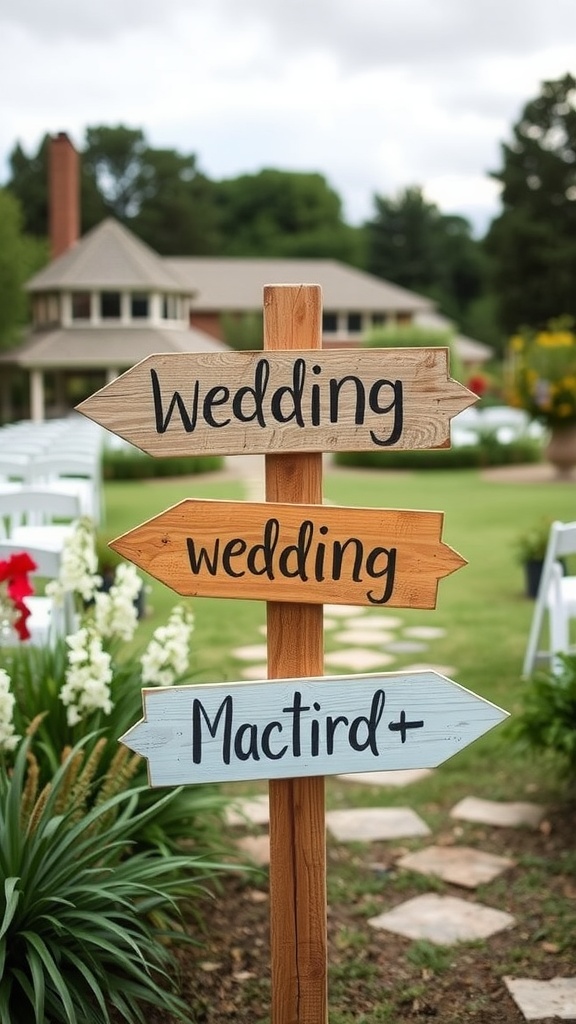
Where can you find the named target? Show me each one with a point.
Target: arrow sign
(287, 728)
(299, 553)
(235, 403)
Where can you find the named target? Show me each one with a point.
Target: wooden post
(298, 943)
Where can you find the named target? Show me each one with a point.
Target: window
(110, 305)
(330, 323)
(170, 307)
(354, 323)
(139, 306)
(378, 319)
(81, 305)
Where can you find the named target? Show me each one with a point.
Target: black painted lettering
(162, 421)
(233, 549)
(199, 714)
(396, 405)
(257, 393)
(335, 389)
(216, 396)
(371, 723)
(294, 393)
(296, 710)
(388, 572)
(197, 559)
(266, 549)
(251, 731)
(299, 550)
(272, 726)
(331, 726)
(339, 549)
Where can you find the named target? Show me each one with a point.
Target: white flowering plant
(89, 681)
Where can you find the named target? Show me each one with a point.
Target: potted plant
(541, 378)
(531, 551)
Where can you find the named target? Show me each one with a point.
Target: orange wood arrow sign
(234, 403)
(299, 553)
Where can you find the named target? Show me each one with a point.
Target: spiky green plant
(79, 917)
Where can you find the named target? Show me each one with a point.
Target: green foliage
(488, 452)
(78, 933)
(20, 256)
(532, 244)
(546, 722)
(415, 336)
(413, 244)
(242, 331)
(127, 464)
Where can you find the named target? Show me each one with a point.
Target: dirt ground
(375, 976)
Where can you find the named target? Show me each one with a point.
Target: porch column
(37, 396)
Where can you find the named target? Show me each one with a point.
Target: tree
(285, 214)
(20, 256)
(412, 243)
(532, 244)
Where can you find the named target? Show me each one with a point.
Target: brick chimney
(63, 194)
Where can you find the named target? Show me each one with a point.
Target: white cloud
(374, 94)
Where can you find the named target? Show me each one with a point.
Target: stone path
(364, 640)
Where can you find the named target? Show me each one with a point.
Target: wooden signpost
(229, 732)
(237, 402)
(310, 553)
(293, 402)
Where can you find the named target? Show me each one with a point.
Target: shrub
(126, 464)
(546, 722)
(488, 452)
(83, 926)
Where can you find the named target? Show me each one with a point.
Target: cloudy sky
(374, 94)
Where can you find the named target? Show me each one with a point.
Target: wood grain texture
(298, 927)
(235, 403)
(304, 554)
(296, 728)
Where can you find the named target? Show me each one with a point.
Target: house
(107, 300)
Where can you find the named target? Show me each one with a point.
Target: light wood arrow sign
(234, 403)
(287, 728)
(299, 553)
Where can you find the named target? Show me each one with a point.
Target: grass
(482, 607)
(486, 617)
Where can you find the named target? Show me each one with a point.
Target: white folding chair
(71, 473)
(31, 517)
(557, 598)
(48, 619)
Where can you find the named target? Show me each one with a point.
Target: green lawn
(482, 606)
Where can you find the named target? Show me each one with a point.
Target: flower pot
(532, 574)
(561, 450)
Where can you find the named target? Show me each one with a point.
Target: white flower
(78, 570)
(88, 676)
(8, 738)
(115, 613)
(168, 653)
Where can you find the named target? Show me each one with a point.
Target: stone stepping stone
(343, 611)
(358, 659)
(370, 824)
(371, 621)
(425, 632)
(406, 647)
(251, 652)
(443, 920)
(396, 778)
(459, 865)
(494, 812)
(251, 811)
(360, 636)
(257, 848)
(538, 999)
(255, 672)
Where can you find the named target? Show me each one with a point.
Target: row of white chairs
(501, 421)
(63, 455)
(555, 601)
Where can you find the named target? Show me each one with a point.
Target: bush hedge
(488, 452)
(121, 464)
